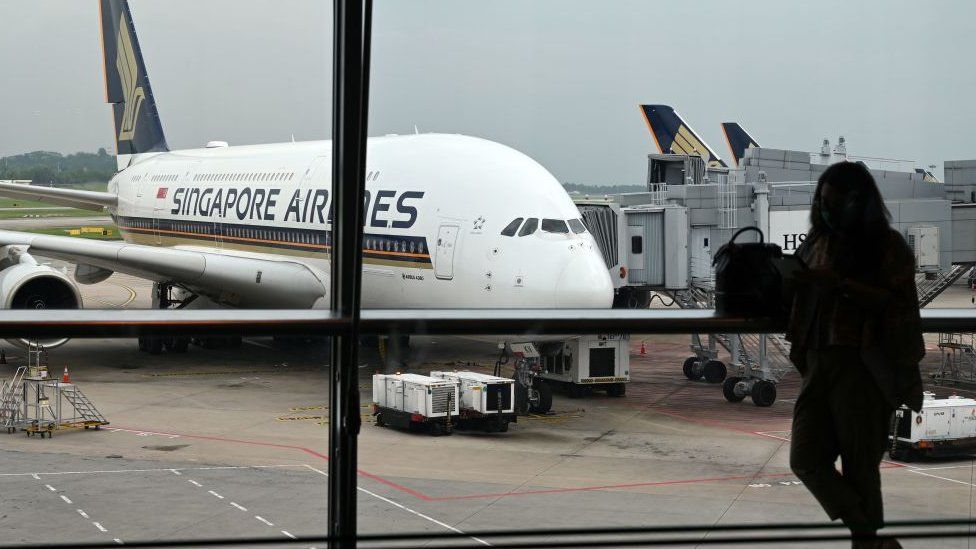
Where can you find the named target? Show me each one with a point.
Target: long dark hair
(860, 251)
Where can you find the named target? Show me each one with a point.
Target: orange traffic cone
(643, 350)
(65, 378)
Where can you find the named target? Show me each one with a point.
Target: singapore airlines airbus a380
(450, 221)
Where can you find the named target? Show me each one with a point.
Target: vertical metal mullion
(349, 115)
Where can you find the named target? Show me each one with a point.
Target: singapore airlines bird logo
(134, 95)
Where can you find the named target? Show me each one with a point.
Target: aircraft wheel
(689, 368)
(617, 390)
(521, 399)
(764, 393)
(728, 389)
(714, 371)
(540, 400)
(154, 345)
(180, 345)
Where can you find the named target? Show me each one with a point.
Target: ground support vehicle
(487, 402)
(945, 426)
(579, 365)
(411, 401)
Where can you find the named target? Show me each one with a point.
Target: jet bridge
(645, 245)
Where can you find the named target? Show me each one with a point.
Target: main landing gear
(169, 296)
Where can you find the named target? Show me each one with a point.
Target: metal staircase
(928, 290)
(958, 359)
(11, 393)
(85, 412)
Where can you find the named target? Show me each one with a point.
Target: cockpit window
(557, 226)
(530, 226)
(577, 226)
(512, 227)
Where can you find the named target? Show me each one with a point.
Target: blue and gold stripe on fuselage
(378, 249)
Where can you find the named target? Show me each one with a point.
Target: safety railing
(111, 323)
(793, 534)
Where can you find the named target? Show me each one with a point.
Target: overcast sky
(557, 79)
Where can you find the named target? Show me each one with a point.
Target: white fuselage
(435, 209)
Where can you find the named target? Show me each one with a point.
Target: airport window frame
(126, 323)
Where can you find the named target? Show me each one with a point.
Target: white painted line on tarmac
(215, 494)
(916, 468)
(242, 508)
(82, 513)
(99, 526)
(51, 488)
(117, 540)
(65, 498)
(171, 470)
(264, 520)
(285, 532)
(195, 483)
(255, 343)
(918, 472)
(407, 509)
(175, 472)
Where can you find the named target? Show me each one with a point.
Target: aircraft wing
(233, 280)
(74, 198)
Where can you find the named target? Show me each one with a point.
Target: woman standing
(856, 340)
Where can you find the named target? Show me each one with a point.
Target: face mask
(841, 218)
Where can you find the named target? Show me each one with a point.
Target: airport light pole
(350, 102)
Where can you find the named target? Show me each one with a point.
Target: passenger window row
(557, 226)
(393, 245)
(251, 176)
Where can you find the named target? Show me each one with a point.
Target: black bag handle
(762, 238)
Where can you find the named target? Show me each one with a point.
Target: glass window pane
(530, 227)
(554, 226)
(510, 229)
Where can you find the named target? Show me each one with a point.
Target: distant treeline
(600, 190)
(46, 168)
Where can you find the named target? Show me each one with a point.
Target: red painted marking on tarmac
(424, 497)
(613, 486)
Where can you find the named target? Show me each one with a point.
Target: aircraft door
(444, 256)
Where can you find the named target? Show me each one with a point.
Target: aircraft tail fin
(674, 136)
(137, 127)
(738, 139)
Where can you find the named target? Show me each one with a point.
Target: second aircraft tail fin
(738, 139)
(674, 136)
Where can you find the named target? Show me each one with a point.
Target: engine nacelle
(26, 285)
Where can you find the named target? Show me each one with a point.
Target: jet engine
(24, 284)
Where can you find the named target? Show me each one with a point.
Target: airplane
(738, 139)
(674, 136)
(451, 221)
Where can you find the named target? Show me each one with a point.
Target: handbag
(747, 282)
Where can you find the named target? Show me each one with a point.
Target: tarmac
(233, 442)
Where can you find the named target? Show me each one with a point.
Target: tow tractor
(579, 365)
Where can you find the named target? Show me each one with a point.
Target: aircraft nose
(584, 284)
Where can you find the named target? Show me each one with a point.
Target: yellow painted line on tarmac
(307, 408)
(300, 418)
(132, 295)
